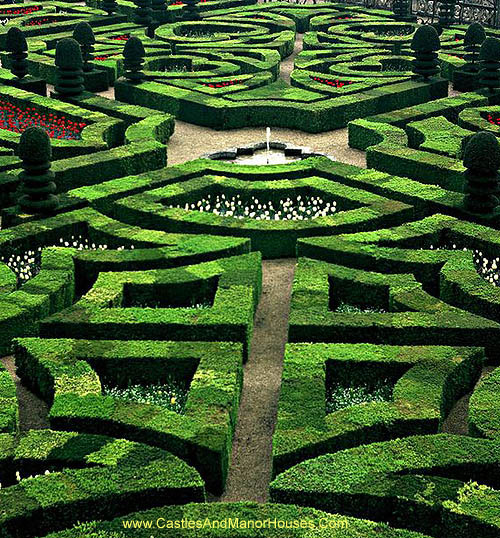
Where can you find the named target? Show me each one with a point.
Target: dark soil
(250, 468)
(33, 412)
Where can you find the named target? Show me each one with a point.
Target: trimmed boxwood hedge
(68, 374)
(429, 379)
(240, 520)
(107, 311)
(92, 476)
(414, 483)
(415, 317)
(9, 412)
(356, 210)
(484, 416)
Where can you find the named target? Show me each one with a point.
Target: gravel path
(457, 421)
(286, 66)
(191, 141)
(250, 469)
(33, 412)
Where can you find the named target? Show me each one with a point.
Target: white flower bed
(298, 208)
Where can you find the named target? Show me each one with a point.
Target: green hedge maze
(301, 348)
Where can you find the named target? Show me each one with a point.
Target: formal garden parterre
(312, 343)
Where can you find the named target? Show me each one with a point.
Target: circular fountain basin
(257, 154)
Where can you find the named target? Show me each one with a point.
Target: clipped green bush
(446, 12)
(489, 55)
(142, 13)
(17, 47)
(37, 179)
(482, 160)
(191, 11)
(109, 6)
(425, 44)
(473, 40)
(133, 60)
(84, 34)
(69, 64)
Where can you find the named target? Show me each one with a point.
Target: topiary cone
(489, 56)
(142, 14)
(482, 160)
(474, 37)
(69, 64)
(191, 11)
(133, 60)
(110, 6)
(16, 45)
(37, 180)
(425, 44)
(84, 34)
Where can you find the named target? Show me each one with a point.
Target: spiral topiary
(482, 160)
(17, 47)
(474, 37)
(142, 14)
(191, 11)
(69, 64)
(446, 12)
(425, 44)
(489, 56)
(37, 180)
(84, 34)
(133, 60)
(110, 6)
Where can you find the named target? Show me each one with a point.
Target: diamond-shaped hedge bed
(176, 206)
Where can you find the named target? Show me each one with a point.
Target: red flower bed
(343, 18)
(336, 83)
(494, 120)
(222, 84)
(39, 21)
(20, 10)
(105, 57)
(123, 37)
(13, 118)
(179, 3)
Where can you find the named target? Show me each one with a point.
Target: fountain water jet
(268, 140)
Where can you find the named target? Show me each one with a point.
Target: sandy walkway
(32, 410)
(250, 469)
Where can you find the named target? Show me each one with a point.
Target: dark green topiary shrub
(142, 14)
(69, 64)
(401, 8)
(159, 10)
(84, 34)
(109, 6)
(425, 44)
(482, 160)
(133, 59)
(473, 40)
(446, 12)
(37, 179)
(191, 11)
(489, 56)
(17, 47)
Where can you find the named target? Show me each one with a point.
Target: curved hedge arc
(93, 476)
(112, 307)
(316, 523)
(428, 381)
(483, 410)
(273, 239)
(69, 375)
(414, 316)
(422, 488)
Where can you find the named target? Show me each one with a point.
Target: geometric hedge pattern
(129, 283)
